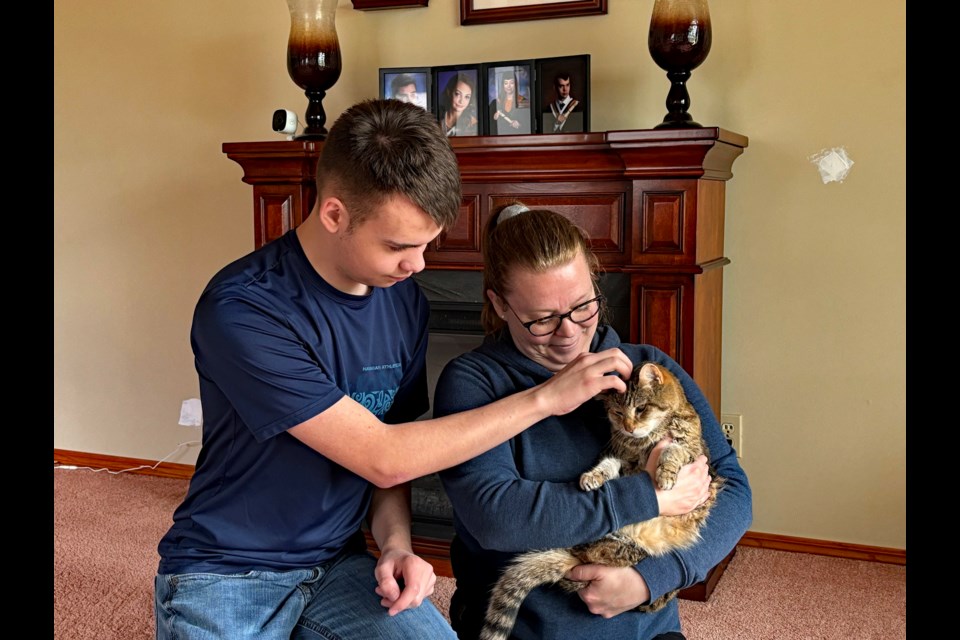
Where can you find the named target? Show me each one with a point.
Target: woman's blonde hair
(533, 239)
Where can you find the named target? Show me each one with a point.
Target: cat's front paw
(592, 480)
(671, 461)
(606, 469)
(666, 479)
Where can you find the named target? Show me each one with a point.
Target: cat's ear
(648, 374)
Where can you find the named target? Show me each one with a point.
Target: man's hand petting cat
(691, 490)
(585, 377)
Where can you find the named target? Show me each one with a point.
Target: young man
(564, 107)
(404, 88)
(310, 353)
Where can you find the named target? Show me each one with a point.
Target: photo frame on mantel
(508, 104)
(408, 84)
(563, 100)
(453, 86)
(493, 11)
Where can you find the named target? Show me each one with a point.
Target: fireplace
(455, 303)
(432, 514)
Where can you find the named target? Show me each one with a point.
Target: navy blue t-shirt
(275, 345)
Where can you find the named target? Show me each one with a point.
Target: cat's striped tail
(523, 575)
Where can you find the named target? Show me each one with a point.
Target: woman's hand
(691, 489)
(610, 590)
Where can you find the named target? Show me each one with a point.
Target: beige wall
(147, 208)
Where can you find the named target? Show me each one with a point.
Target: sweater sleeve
(504, 508)
(730, 516)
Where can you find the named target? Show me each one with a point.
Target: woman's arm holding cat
(614, 590)
(730, 516)
(611, 591)
(729, 519)
(495, 495)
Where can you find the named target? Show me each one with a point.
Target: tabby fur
(653, 407)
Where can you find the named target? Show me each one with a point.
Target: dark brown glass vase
(313, 58)
(679, 41)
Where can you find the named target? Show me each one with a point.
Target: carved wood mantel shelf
(652, 202)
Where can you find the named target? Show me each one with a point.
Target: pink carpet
(106, 529)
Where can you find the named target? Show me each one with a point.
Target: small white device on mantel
(285, 121)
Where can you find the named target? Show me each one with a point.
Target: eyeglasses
(547, 325)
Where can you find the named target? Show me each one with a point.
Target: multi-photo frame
(510, 97)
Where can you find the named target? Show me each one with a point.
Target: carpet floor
(106, 529)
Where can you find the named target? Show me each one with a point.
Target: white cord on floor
(71, 467)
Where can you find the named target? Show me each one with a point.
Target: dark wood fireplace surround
(652, 201)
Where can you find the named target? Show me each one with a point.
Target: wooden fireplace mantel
(652, 202)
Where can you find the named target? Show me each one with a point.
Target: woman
(458, 114)
(510, 111)
(542, 311)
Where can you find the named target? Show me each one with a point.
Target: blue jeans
(334, 602)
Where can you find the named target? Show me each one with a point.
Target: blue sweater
(524, 495)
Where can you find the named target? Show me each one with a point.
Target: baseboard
(437, 552)
(884, 555)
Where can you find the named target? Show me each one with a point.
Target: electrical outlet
(732, 426)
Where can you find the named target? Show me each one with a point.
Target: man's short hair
(563, 75)
(380, 148)
(400, 81)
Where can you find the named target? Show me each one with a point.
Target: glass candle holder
(313, 58)
(679, 41)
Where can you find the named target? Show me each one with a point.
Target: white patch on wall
(191, 413)
(834, 164)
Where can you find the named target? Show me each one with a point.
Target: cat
(653, 407)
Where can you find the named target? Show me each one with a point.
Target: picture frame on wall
(509, 105)
(408, 84)
(457, 92)
(494, 11)
(563, 85)
(376, 5)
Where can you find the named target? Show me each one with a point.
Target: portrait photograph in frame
(409, 85)
(509, 105)
(457, 94)
(563, 86)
